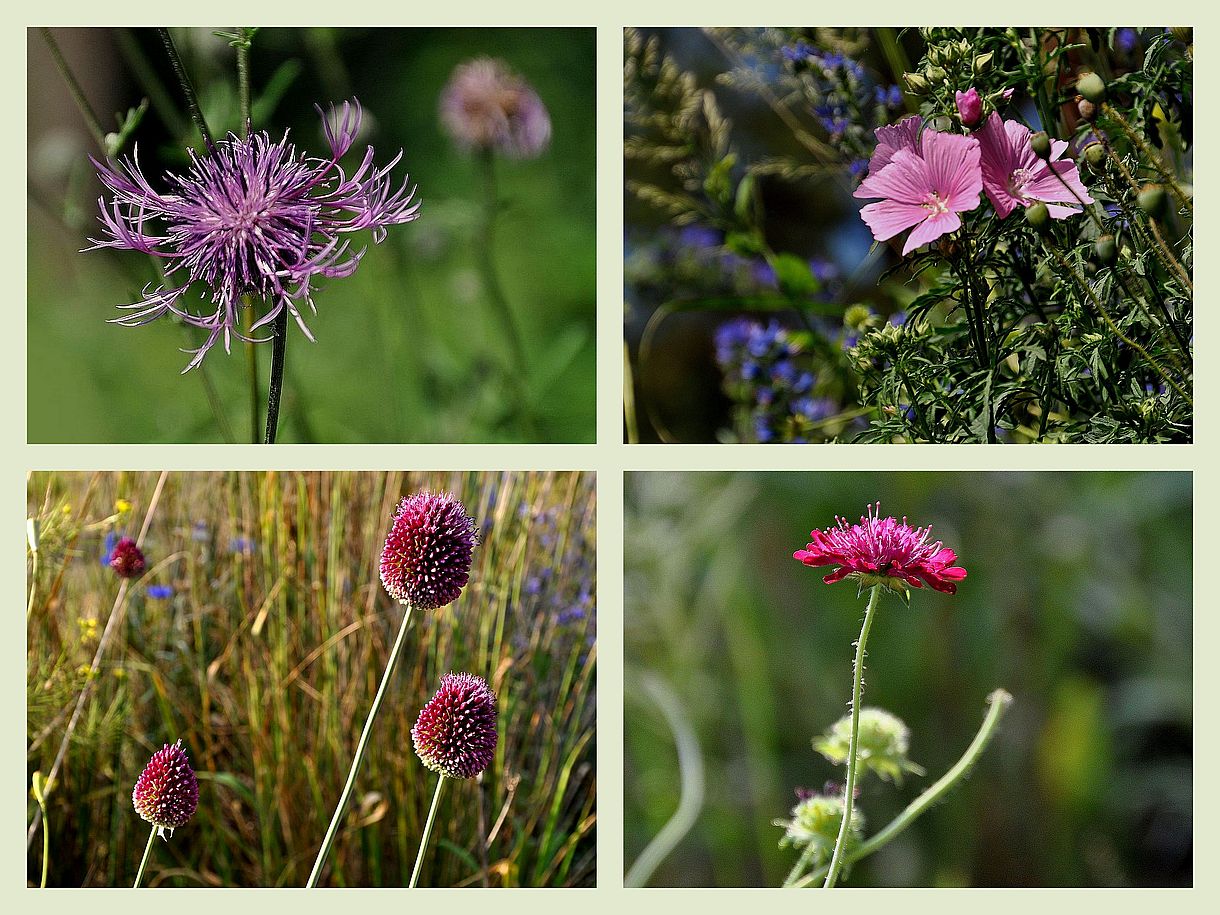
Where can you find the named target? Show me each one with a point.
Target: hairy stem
(275, 386)
(188, 89)
(361, 746)
(423, 840)
(849, 789)
(144, 860)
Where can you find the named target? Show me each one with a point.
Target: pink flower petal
(886, 218)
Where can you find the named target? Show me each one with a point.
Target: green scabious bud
(882, 744)
(815, 823)
(1106, 249)
(1092, 87)
(1152, 200)
(1038, 216)
(1041, 144)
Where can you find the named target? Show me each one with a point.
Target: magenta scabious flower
(426, 559)
(924, 181)
(487, 106)
(969, 107)
(883, 551)
(126, 559)
(167, 793)
(455, 733)
(250, 217)
(1014, 176)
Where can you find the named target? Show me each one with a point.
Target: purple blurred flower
(488, 106)
(126, 559)
(160, 592)
(250, 217)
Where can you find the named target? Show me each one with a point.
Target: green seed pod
(1092, 87)
(1038, 216)
(1152, 200)
(1095, 155)
(916, 83)
(980, 64)
(936, 75)
(1041, 144)
(1106, 249)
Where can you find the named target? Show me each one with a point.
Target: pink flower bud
(969, 107)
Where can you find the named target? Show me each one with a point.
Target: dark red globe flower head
(126, 559)
(167, 793)
(883, 551)
(427, 554)
(455, 733)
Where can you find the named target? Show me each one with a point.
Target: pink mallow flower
(924, 181)
(1014, 175)
(969, 107)
(883, 551)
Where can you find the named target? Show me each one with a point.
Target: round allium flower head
(427, 554)
(488, 106)
(167, 792)
(883, 741)
(126, 559)
(455, 733)
(883, 551)
(250, 216)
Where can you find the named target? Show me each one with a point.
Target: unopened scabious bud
(969, 107)
(815, 823)
(455, 733)
(882, 744)
(167, 793)
(427, 554)
(1092, 87)
(126, 559)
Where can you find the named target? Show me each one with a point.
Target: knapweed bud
(126, 559)
(1038, 216)
(1152, 200)
(427, 554)
(1106, 249)
(455, 733)
(166, 793)
(1092, 87)
(882, 744)
(815, 822)
(1040, 143)
(969, 107)
(488, 106)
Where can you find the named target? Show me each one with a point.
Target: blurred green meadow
(409, 348)
(258, 635)
(1078, 602)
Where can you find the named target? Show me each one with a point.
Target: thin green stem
(361, 746)
(275, 386)
(849, 789)
(188, 89)
(423, 840)
(997, 704)
(143, 861)
(78, 94)
(243, 99)
(243, 81)
(1153, 158)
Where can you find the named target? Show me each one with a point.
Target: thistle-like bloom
(426, 559)
(815, 823)
(250, 217)
(924, 182)
(126, 559)
(883, 551)
(1014, 176)
(167, 793)
(487, 106)
(455, 733)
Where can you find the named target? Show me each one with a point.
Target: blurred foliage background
(1078, 601)
(258, 635)
(409, 348)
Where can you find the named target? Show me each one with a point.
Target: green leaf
(795, 277)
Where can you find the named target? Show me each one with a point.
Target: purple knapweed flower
(488, 106)
(250, 217)
(167, 793)
(427, 554)
(126, 559)
(455, 733)
(1014, 175)
(883, 551)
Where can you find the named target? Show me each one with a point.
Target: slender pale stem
(361, 745)
(423, 841)
(997, 704)
(849, 789)
(143, 861)
(276, 386)
(78, 94)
